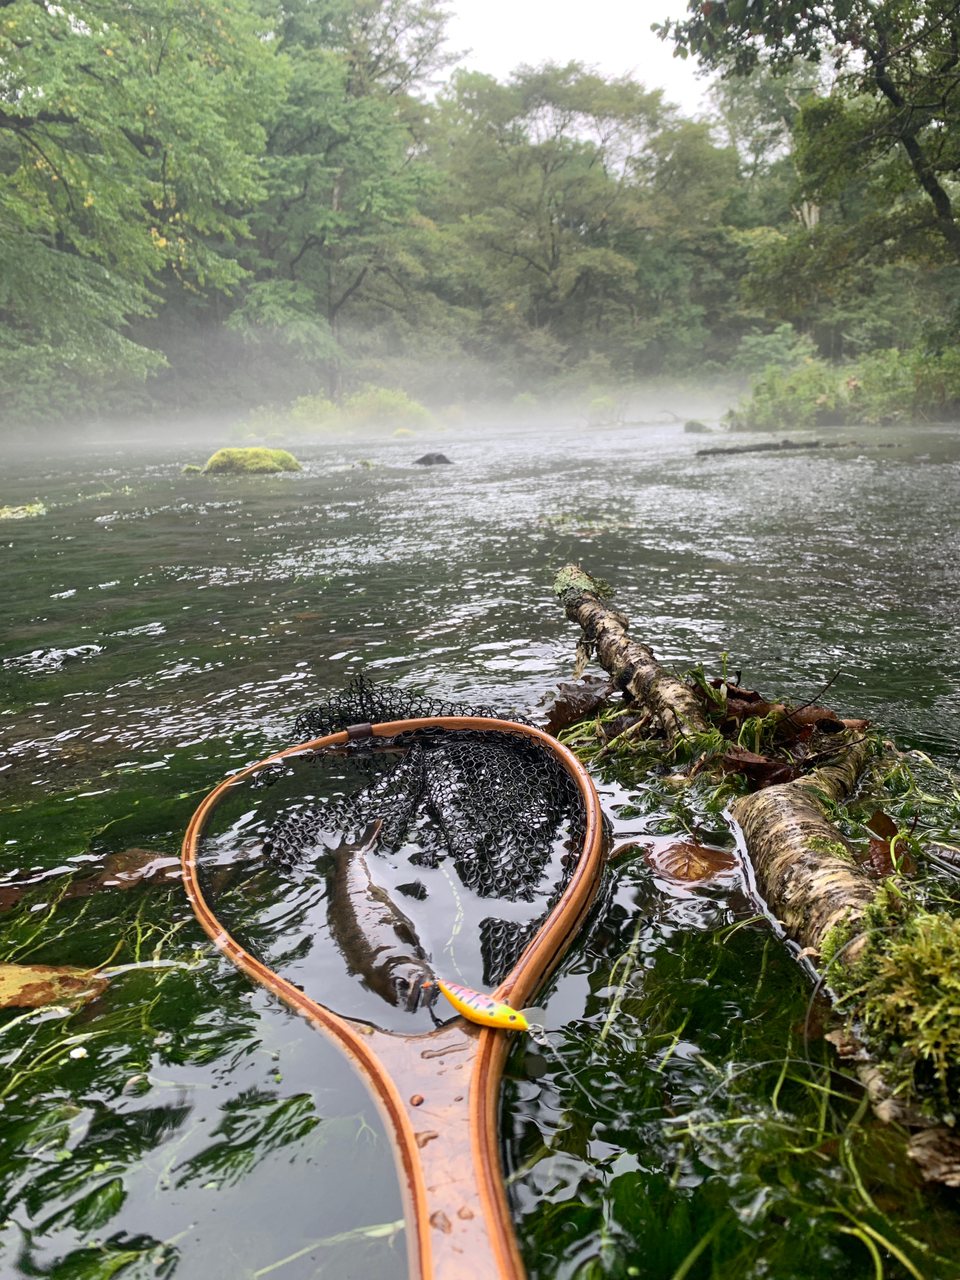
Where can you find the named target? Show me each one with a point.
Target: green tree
(585, 225)
(891, 121)
(540, 210)
(129, 140)
(344, 172)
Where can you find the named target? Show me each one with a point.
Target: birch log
(798, 856)
(633, 667)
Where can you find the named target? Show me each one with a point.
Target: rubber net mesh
(495, 806)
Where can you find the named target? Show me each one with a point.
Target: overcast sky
(613, 35)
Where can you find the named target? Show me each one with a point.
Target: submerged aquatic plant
(692, 1123)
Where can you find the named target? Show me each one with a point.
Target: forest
(211, 207)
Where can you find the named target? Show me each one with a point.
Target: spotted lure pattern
(477, 1007)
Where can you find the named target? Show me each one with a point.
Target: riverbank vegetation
(851, 844)
(287, 207)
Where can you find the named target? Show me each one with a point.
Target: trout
(378, 942)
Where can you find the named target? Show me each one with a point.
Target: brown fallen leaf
(122, 870)
(685, 860)
(569, 701)
(739, 709)
(847, 1045)
(937, 1152)
(762, 770)
(879, 860)
(818, 716)
(882, 825)
(29, 986)
(629, 849)
(737, 692)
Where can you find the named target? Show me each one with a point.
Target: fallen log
(632, 666)
(803, 868)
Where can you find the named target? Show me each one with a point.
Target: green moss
(24, 512)
(573, 578)
(190, 469)
(253, 461)
(907, 998)
(835, 848)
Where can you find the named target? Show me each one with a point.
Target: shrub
(251, 462)
(880, 388)
(784, 347)
(883, 386)
(378, 404)
(937, 384)
(604, 410)
(806, 396)
(313, 413)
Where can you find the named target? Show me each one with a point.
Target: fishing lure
(477, 1007)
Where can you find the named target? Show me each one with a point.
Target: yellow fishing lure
(477, 1007)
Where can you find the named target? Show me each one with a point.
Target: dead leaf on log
(685, 860)
(816, 717)
(29, 986)
(882, 825)
(737, 691)
(568, 702)
(742, 703)
(764, 771)
(879, 860)
(737, 709)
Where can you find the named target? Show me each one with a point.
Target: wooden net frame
(438, 1093)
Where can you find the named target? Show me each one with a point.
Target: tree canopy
(209, 204)
(129, 144)
(888, 125)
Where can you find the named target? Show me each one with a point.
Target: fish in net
(494, 806)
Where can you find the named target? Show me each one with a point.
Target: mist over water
(149, 610)
(162, 629)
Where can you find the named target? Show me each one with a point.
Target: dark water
(161, 630)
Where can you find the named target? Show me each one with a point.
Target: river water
(162, 629)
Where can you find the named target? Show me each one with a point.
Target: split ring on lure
(477, 1007)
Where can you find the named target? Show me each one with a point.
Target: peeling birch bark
(798, 855)
(632, 666)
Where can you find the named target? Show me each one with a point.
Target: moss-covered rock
(254, 461)
(190, 469)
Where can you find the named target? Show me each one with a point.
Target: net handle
(432, 1254)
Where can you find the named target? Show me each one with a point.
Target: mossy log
(633, 667)
(803, 869)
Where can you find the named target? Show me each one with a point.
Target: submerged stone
(432, 460)
(251, 461)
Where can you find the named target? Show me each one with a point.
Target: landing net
(360, 870)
